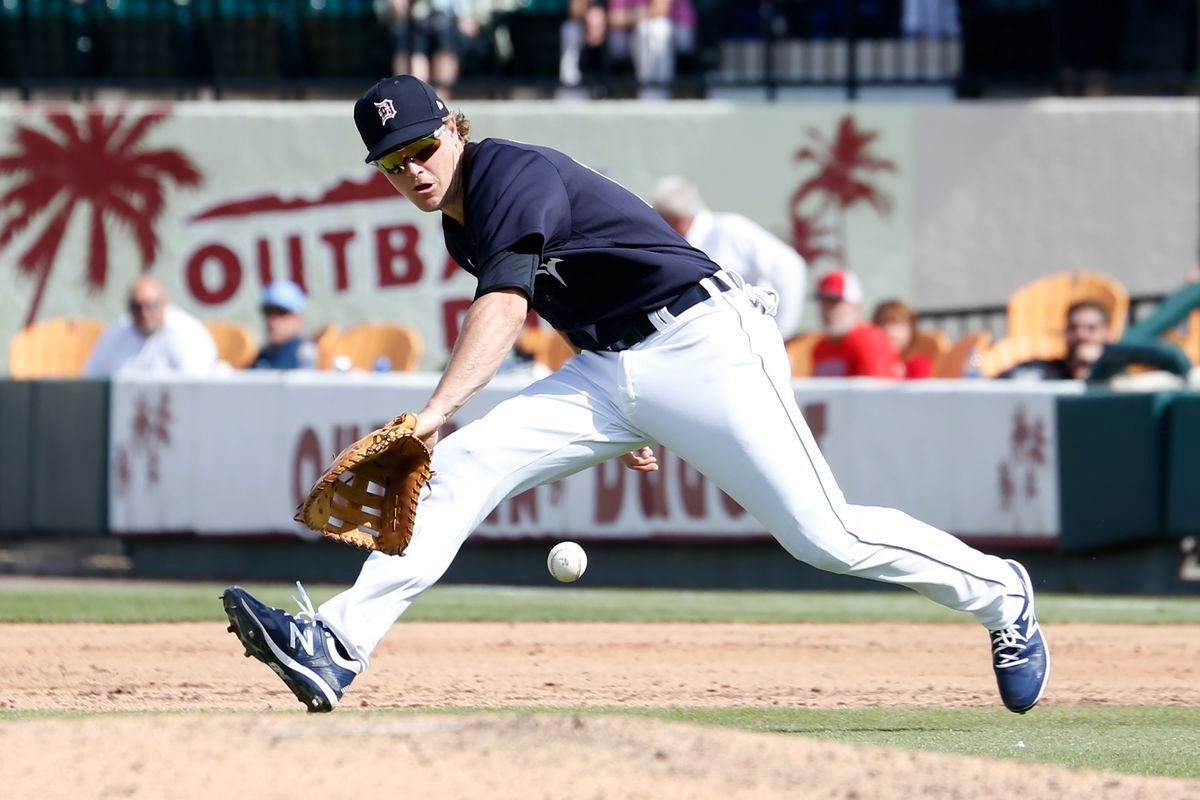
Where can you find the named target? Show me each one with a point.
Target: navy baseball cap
(396, 111)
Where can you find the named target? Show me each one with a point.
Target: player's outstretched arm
(491, 328)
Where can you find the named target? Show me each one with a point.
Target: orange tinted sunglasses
(395, 162)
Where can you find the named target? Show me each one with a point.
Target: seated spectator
(428, 38)
(737, 244)
(283, 313)
(1088, 331)
(899, 322)
(154, 338)
(849, 346)
(582, 40)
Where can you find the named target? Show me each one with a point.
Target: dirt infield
(197, 667)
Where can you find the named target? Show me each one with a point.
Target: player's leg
(715, 390)
(558, 426)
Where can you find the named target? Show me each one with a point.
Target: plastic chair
(547, 347)
(1189, 338)
(932, 344)
(800, 353)
(56, 348)
(327, 339)
(1040, 308)
(953, 362)
(1010, 351)
(235, 344)
(366, 344)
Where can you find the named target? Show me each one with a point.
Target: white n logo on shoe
(305, 637)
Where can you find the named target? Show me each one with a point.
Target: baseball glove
(368, 496)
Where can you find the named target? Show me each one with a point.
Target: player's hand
(429, 422)
(641, 460)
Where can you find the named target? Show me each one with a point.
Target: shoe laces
(308, 613)
(1008, 646)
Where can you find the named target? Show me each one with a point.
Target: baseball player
(673, 350)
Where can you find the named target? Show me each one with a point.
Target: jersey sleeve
(516, 196)
(511, 269)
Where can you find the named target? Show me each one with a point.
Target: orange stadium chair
(800, 353)
(953, 362)
(1189, 338)
(547, 346)
(365, 344)
(326, 340)
(56, 348)
(235, 344)
(933, 344)
(1040, 308)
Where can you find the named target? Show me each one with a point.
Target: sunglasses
(144, 308)
(395, 162)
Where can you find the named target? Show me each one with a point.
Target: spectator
(649, 33)
(850, 347)
(1088, 331)
(428, 37)
(899, 322)
(737, 244)
(283, 313)
(582, 40)
(154, 338)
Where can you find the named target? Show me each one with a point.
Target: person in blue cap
(283, 314)
(673, 349)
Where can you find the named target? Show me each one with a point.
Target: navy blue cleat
(1020, 656)
(301, 650)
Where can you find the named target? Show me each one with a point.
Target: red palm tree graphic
(840, 182)
(99, 161)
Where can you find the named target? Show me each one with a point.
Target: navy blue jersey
(298, 353)
(595, 256)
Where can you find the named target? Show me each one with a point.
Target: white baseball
(567, 561)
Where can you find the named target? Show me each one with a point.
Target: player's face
(424, 171)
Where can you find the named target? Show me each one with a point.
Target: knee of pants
(821, 541)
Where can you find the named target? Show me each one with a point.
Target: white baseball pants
(713, 386)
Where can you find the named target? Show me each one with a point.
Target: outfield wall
(957, 204)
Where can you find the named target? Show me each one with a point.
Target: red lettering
(263, 248)
(226, 262)
(337, 241)
(453, 312)
(296, 260)
(450, 268)
(814, 415)
(691, 490)
(344, 436)
(652, 488)
(307, 464)
(610, 489)
(524, 502)
(396, 245)
(731, 506)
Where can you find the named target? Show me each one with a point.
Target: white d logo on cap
(386, 110)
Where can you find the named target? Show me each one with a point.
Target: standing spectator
(582, 41)
(899, 322)
(283, 314)
(154, 338)
(737, 244)
(1087, 333)
(850, 347)
(428, 37)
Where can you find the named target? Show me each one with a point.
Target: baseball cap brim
(396, 139)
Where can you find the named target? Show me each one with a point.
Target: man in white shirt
(154, 338)
(735, 243)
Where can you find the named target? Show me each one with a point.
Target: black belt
(643, 327)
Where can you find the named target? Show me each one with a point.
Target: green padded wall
(16, 516)
(69, 463)
(1111, 456)
(1183, 466)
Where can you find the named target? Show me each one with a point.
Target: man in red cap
(850, 348)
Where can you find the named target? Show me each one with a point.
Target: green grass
(55, 601)
(1139, 740)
